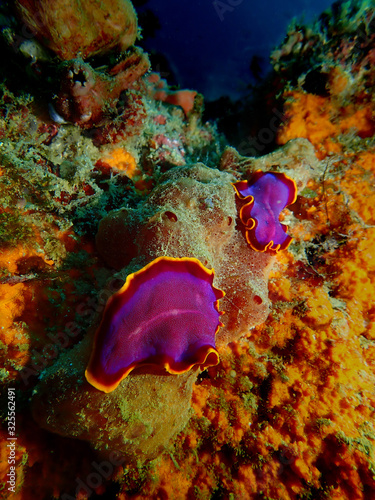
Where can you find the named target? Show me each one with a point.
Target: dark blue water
(219, 48)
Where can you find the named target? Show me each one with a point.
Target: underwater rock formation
(190, 213)
(289, 411)
(79, 29)
(138, 419)
(75, 32)
(88, 97)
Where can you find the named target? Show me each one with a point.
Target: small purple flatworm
(165, 315)
(266, 195)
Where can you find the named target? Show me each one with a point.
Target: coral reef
(59, 43)
(88, 97)
(158, 89)
(190, 213)
(289, 411)
(137, 420)
(55, 185)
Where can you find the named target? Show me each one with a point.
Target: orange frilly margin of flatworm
(250, 223)
(206, 355)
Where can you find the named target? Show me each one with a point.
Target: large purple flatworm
(165, 315)
(266, 195)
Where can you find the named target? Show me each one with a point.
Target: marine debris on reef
(289, 410)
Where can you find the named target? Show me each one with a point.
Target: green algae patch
(13, 230)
